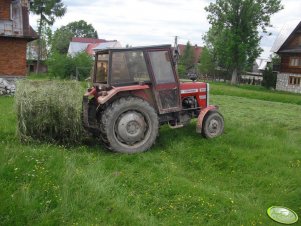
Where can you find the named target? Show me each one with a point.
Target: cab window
(102, 68)
(128, 67)
(162, 67)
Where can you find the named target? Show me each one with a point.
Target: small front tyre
(213, 125)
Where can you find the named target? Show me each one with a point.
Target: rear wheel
(129, 125)
(213, 125)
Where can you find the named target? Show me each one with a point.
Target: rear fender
(203, 113)
(116, 90)
(87, 124)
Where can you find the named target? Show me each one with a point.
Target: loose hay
(49, 111)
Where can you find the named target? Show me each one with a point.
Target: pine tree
(48, 11)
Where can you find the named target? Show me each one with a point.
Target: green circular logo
(282, 214)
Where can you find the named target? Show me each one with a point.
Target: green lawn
(255, 92)
(183, 180)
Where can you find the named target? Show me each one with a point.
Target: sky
(152, 22)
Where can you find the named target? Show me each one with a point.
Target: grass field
(183, 180)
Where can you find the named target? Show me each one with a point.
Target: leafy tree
(61, 39)
(64, 34)
(234, 32)
(48, 11)
(82, 29)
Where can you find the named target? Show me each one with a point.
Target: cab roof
(165, 46)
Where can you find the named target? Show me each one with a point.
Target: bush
(65, 66)
(49, 111)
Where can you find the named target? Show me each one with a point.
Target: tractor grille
(169, 98)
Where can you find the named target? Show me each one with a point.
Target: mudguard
(202, 115)
(85, 116)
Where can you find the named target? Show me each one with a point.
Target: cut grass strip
(254, 92)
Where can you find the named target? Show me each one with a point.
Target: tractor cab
(152, 66)
(128, 66)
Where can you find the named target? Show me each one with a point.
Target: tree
(234, 32)
(82, 29)
(64, 34)
(61, 39)
(206, 65)
(45, 39)
(188, 59)
(269, 78)
(48, 11)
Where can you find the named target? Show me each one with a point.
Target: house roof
(284, 34)
(92, 47)
(76, 47)
(262, 63)
(85, 44)
(197, 51)
(87, 40)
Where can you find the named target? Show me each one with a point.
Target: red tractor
(135, 91)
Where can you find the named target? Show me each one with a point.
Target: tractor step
(176, 126)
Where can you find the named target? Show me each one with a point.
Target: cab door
(165, 82)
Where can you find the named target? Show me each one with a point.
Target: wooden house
(15, 33)
(288, 47)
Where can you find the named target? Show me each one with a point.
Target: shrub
(49, 111)
(65, 66)
(181, 71)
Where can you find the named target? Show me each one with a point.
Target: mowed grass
(183, 180)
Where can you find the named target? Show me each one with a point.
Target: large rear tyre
(213, 125)
(129, 125)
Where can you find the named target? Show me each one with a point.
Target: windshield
(102, 66)
(129, 67)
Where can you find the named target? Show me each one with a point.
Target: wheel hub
(213, 126)
(131, 127)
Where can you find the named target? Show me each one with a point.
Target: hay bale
(49, 111)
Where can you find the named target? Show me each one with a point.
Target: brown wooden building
(288, 47)
(15, 33)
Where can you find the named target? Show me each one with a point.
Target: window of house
(295, 62)
(294, 80)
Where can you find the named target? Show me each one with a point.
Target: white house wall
(283, 80)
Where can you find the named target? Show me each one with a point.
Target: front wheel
(213, 125)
